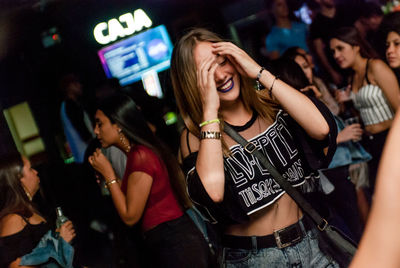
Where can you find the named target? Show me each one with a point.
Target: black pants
(374, 145)
(177, 243)
(343, 200)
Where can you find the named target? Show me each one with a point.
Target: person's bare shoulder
(377, 65)
(187, 142)
(380, 72)
(11, 224)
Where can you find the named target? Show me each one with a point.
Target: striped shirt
(373, 106)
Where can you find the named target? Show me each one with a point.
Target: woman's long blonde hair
(187, 94)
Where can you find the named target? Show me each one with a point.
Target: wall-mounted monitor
(129, 59)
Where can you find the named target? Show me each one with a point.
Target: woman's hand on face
(67, 231)
(314, 89)
(352, 132)
(101, 164)
(244, 64)
(206, 84)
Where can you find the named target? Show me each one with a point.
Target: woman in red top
(150, 191)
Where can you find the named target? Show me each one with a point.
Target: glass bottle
(61, 218)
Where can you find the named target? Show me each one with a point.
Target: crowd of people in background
(321, 109)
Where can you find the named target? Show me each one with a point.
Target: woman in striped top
(373, 88)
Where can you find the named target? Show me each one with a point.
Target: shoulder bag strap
(297, 197)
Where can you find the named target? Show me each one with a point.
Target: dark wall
(30, 72)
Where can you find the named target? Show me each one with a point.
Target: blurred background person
(76, 123)
(329, 18)
(339, 205)
(371, 16)
(391, 29)
(373, 88)
(304, 60)
(285, 32)
(352, 153)
(21, 225)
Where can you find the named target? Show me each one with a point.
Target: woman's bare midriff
(280, 214)
(376, 128)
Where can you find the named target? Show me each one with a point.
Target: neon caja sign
(127, 24)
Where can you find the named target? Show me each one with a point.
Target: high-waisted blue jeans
(305, 253)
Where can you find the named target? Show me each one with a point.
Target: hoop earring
(123, 141)
(27, 193)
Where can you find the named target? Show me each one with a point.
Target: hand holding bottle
(351, 132)
(67, 231)
(64, 226)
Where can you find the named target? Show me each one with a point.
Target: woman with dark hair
(373, 89)
(21, 226)
(347, 136)
(304, 60)
(261, 225)
(152, 189)
(391, 28)
(293, 74)
(342, 202)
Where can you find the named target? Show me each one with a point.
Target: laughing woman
(149, 192)
(373, 88)
(213, 85)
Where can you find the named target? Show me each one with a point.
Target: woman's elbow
(216, 192)
(325, 131)
(217, 196)
(130, 221)
(214, 184)
(322, 132)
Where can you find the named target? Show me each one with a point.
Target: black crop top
(21, 243)
(299, 163)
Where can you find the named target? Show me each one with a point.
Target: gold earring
(27, 193)
(124, 142)
(29, 196)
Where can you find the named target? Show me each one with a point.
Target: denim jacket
(51, 252)
(348, 152)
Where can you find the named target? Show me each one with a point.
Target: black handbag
(330, 239)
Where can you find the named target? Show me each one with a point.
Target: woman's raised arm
(293, 101)
(130, 207)
(380, 244)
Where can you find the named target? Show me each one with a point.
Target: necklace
(245, 126)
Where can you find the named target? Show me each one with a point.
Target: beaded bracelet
(272, 86)
(258, 84)
(202, 124)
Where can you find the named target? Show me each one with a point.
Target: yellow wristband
(202, 124)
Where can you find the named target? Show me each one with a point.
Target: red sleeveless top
(162, 204)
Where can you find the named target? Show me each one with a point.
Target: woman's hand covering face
(243, 63)
(206, 83)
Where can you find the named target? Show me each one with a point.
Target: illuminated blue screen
(130, 58)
